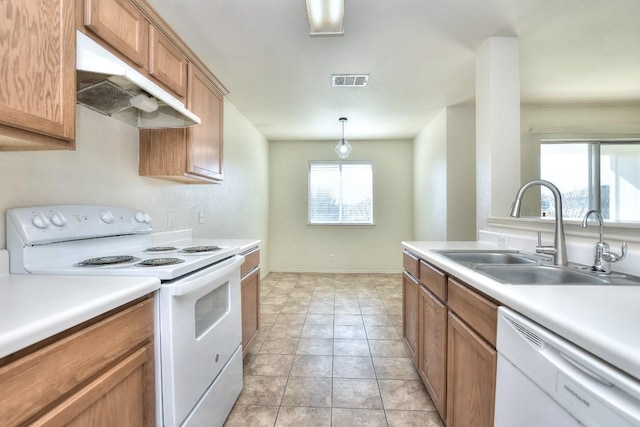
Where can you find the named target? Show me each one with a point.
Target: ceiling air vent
(349, 80)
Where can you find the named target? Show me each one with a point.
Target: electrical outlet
(503, 241)
(201, 217)
(171, 219)
(332, 257)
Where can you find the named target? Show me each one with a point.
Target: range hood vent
(108, 85)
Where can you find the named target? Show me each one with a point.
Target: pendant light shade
(343, 149)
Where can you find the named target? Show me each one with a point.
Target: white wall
(430, 180)
(104, 170)
(295, 246)
(444, 177)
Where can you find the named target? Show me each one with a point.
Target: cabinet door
(432, 356)
(167, 63)
(123, 396)
(205, 139)
(120, 24)
(250, 309)
(471, 374)
(410, 307)
(37, 85)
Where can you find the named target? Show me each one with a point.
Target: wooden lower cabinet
(250, 282)
(471, 377)
(432, 354)
(410, 313)
(97, 374)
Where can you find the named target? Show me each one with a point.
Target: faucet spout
(559, 250)
(598, 216)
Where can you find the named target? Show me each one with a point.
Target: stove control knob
(58, 219)
(140, 216)
(40, 221)
(107, 217)
(147, 218)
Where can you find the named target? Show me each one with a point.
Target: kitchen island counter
(604, 320)
(35, 307)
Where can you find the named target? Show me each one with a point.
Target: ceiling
(419, 53)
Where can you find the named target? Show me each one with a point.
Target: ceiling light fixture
(325, 17)
(343, 149)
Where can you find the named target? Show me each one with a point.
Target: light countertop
(604, 320)
(33, 308)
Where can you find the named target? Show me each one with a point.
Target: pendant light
(343, 149)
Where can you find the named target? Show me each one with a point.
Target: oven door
(200, 329)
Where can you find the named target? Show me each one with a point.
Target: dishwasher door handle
(586, 371)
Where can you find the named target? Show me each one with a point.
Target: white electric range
(198, 313)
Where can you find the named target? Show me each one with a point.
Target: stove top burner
(107, 260)
(161, 249)
(157, 262)
(199, 249)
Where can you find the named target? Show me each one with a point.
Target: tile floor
(330, 353)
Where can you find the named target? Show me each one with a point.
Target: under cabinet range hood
(109, 86)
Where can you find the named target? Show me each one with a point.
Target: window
(603, 175)
(340, 193)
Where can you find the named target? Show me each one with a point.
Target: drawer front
(251, 261)
(411, 264)
(40, 378)
(434, 280)
(480, 313)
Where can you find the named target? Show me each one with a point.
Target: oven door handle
(207, 279)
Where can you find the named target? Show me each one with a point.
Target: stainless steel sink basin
(478, 257)
(540, 275)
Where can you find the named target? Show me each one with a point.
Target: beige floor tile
(315, 308)
(395, 368)
(349, 331)
(317, 331)
(294, 309)
(320, 319)
(285, 331)
(376, 320)
(303, 416)
(315, 347)
(382, 333)
(290, 319)
(252, 416)
(341, 417)
(273, 365)
(271, 308)
(268, 300)
(259, 390)
(268, 318)
(413, 419)
(349, 347)
(356, 393)
(347, 309)
(312, 366)
(348, 319)
(279, 346)
(308, 391)
(388, 348)
(405, 395)
(353, 367)
(373, 310)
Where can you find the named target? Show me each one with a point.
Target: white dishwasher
(544, 380)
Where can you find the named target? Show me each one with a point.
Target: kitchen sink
(478, 257)
(518, 268)
(539, 275)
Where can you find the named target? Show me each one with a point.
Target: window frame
(594, 146)
(340, 163)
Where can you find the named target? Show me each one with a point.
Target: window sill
(332, 224)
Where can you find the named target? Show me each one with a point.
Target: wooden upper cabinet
(193, 154)
(205, 139)
(121, 25)
(167, 63)
(37, 85)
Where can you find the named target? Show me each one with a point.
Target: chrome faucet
(559, 248)
(602, 256)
